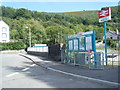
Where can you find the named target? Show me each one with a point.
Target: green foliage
(111, 43)
(12, 46)
(58, 34)
(22, 13)
(8, 12)
(48, 23)
(52, 28)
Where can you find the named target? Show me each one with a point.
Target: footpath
(109, 75)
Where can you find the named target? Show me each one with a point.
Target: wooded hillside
(52, 28)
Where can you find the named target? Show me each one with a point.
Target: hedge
(111, 43)
(12, 46)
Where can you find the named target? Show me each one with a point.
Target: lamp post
(29, 36)
(58, 38)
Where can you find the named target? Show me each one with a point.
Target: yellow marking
(96, 53)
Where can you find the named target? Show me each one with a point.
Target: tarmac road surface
(20, 72)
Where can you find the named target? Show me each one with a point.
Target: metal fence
(87, 59)
(113, 59)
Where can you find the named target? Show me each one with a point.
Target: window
(75, 44)
(4, 29)
(82, 47)
(70, 45)
(89, 43)
(4, 35)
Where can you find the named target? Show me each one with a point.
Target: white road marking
(25, 69)
(47, 61)
(12, 74)
(32, 65)
(15, 73)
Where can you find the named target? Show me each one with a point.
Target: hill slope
(53, 28)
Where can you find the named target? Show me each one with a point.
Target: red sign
(104, 15)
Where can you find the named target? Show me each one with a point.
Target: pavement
(20, 72)
(109, 75)
(12, 51)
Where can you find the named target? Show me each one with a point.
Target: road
(20, 72)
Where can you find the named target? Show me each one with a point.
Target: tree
(54, 28)
(22, 13)
(38, 33)
(8, 12)
(14, 34)
(58, 34)
(49, 23)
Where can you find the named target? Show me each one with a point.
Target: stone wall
(54, 52)
(42, 54)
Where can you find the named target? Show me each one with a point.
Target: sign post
(105, 43)
(105, 15)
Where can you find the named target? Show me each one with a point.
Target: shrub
(111, 43)
(12, 46)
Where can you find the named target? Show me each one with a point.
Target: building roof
(2, 23)
(112, 32)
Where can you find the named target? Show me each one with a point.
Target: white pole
(29, 37)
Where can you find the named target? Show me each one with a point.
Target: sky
(60, 5)
(59, 0)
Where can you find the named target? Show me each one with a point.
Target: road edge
(75, 75)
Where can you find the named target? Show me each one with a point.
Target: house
(4, 32)
(114, 35)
